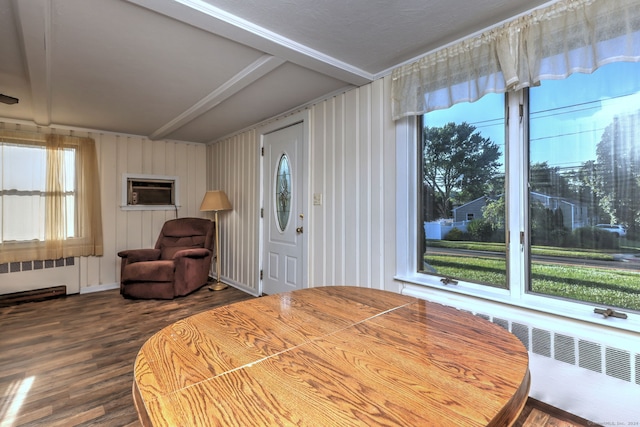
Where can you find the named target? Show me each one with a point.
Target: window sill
(149, 207)
(555, 311)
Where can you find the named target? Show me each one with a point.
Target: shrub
(560, 237)
(594, 238)
(480, 230)
(454, 234)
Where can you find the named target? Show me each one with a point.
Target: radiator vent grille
(618, 364)
(596, 357)
(522, 332)
(501, 322)
(564, 348)
(589, 355)
(541, 340)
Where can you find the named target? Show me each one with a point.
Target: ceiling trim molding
(259, 68)
(35, 28)
(214, 20)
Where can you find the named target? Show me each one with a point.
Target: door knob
(299, 230)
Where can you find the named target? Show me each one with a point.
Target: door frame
(300, 117)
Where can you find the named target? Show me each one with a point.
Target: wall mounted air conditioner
(149, 191)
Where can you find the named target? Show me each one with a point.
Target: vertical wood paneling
(122, 219)
(234, 167)
(234, 244)
(364, 179)
(193, 191)
(339, 197)
(352, 163)
(317, 184)
(358, 170)
(147, 156)
(157, 154)
(140, 229)
(135, 224)
(378, 176)
(107, 151)
(182, 171)
(389, 185)
(328, 207)
(351, 206)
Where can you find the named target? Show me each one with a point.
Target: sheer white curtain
(51, 210)
(553, 42)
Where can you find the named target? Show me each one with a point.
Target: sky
(567, 116)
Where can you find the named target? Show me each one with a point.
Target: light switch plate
(317, 199)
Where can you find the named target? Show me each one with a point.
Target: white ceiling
(197, 70)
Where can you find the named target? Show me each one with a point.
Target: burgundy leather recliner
(178, 265)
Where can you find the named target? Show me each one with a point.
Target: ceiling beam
(34, 25)
(214, 20)
(244, 78)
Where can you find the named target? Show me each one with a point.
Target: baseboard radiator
(32, 295)
(593, 375)
(595, 380)
(594, 356)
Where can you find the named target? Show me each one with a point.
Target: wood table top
(331, 356)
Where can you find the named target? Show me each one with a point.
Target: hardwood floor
(69, 361)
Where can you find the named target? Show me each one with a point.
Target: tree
(616, 176)
(458, 164)
(585, 182)
(550, 181)
(494, 212)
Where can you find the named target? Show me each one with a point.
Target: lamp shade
(215, 201)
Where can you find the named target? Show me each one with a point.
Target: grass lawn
(535, 250)
(601, 286)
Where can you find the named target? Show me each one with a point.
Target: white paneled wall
(119, 154)
(352, 164)
(131, 154)
(234, 166)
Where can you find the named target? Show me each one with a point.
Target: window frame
(517, 254)
(88, 239)
(33, 243)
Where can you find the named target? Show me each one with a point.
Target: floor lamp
(216, 201)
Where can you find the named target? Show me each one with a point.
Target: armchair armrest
(192, 253)
(137, 255)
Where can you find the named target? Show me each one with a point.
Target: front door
(283, 259)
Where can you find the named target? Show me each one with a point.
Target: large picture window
(542, 211)
(576, 229)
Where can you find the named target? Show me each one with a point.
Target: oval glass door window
(283, 192)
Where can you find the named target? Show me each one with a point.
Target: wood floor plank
(79, 352)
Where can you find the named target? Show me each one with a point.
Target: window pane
(283, 192)
(23, 186)
(23, 174)
(23, 218)
(23, 168)
(585, 187)
(69, 170)
(70, 215)
(462, 192)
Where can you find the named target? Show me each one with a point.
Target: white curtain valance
(554, 42)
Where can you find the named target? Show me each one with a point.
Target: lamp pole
(216, 201)
(218, 286)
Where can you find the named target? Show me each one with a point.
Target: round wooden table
(331, 356)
